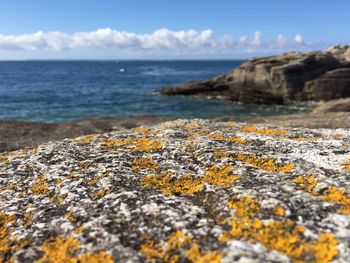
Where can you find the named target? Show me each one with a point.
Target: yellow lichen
(220, 176)
(267, 164)
(79, 229)
(169, 185)
(231, 124)
(60, 249)
(144, 163)
(136, 144)
(58, 181)
(143, 130)
(220, 137)
(4, 160)
(171, 251)
(301, 139)
(330, 193)
(284, 236)
(270, 132)
(221, 154)
(40, 187)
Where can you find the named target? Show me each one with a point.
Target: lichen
(144, 163)
(220, 176)
(40, 186)
(284, 236)
(270, 132)
(171, 251)
(86, 139)
(169, 185)
(99, 194)
(60, 249)
(267, 164)
(330, 193)
(143, 130)
(144, 144)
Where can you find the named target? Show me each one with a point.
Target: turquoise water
(56, 91)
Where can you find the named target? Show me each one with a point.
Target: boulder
(340, 105)
(321, 75)
(181, 191)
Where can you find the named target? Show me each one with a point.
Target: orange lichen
(220, 176)
(40, 187)
(99, 194)
(221, 154)
(193, 125)
(79, 229)
(144, 163)
(62, 249)
(216, 136)
(171, 251)
(270, 132)
(279, 211)
(237, 139)
(330, 193)
(143, 130)
(267, 164)
(6, 242)
(284, 236)
(168, 184)
(136, 144)
(86, 139)
(197, 255)
(96, 257)
(85, 164)
(346, 165)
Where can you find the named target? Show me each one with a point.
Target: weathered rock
(340, 105)
(15, 135)
(182, 191)
(279, 79)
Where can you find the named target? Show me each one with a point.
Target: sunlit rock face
(281, 79)
(182, 191)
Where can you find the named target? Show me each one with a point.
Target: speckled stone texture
(182, 191)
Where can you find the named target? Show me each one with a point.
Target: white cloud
(299, 39)
(161, 40)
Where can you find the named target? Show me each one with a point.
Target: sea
(58, 91)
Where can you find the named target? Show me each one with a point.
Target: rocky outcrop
(341, 105)
(279, 79)
(181, 191)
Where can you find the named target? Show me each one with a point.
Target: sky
(168, 29)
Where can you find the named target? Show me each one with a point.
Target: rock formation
(321, 75)
(181, 191)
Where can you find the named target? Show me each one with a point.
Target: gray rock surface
(181, 191)
(319, 75)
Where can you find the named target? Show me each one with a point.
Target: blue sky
(136, 29)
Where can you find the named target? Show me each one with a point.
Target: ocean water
(56, 91)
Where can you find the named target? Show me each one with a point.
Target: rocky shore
(180, 191)
(282, 79)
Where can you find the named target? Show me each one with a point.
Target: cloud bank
(159, 40)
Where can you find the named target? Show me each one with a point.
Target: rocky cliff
(181, 191)
(320, 75)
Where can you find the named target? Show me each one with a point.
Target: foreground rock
(182, 191)
(321, 75)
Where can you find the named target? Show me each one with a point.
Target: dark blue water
(55, 91)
